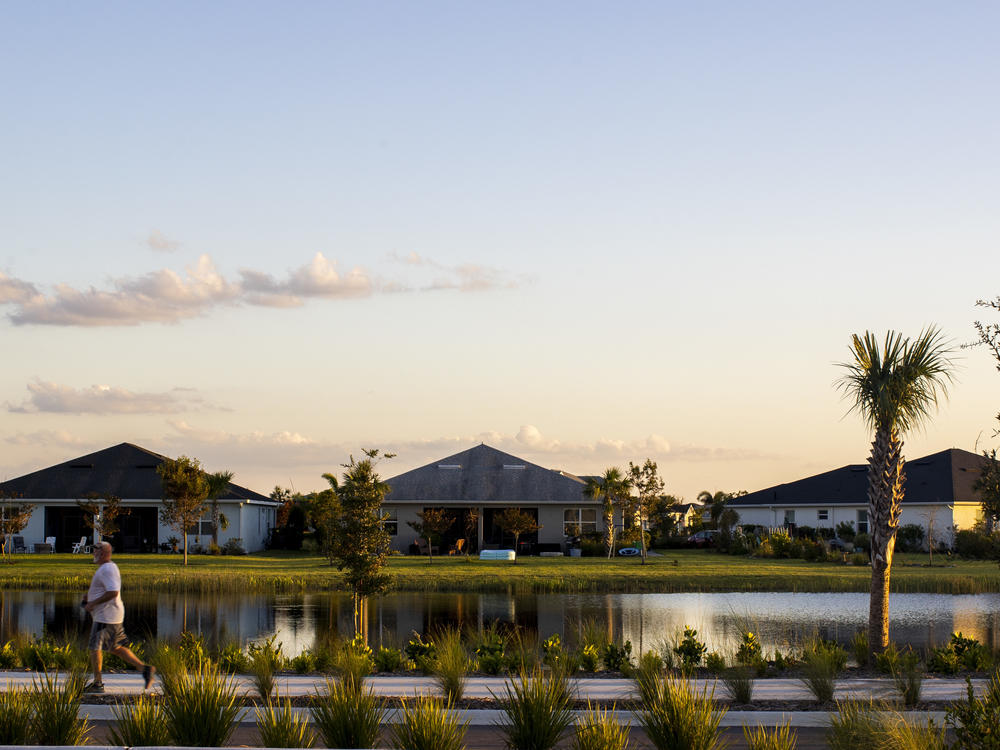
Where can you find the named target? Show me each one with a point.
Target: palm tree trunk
(609, 528)
(885, 490)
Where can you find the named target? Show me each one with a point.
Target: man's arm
(107, 596)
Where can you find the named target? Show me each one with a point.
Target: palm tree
(611, 487)
(893, 387)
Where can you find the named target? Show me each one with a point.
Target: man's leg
(148, 670)
(96, 659)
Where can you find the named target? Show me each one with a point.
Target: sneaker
(147, 674)
(94, 687)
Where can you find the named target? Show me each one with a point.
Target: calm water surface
(647, 620)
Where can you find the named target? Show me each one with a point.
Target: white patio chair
(51, 541)
(80, 546)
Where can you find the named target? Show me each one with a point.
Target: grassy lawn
(675, 571)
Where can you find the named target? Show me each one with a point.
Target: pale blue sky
(584, 232)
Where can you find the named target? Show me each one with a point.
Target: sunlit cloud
(317, 279)
(15, 290)
(160, 242)
(48, 397)
(464, 277)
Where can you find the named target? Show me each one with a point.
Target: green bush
(977, 545)
(820, 667)
(859, 646)
(960, 653)
(233, 546)
(142, 723)
(908, 678)
(192, 649)
(347, 718)
(266, 660)
(388, 659)
(910, 538)
(422, 653)
(863, 542)
(600, 730)
(427, 724)
(715, 662)
(590, 658)
(304, 663)
(887, 662)
(976, 721)
(617, 658)
(855, 726)
(845, 530)
(535, 711)
(776, 738)
(690, 649)
(232, 659)
(451, 666)
(201, 708)
(739, 683)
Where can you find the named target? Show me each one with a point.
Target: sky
(271, 234)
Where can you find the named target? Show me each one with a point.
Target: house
(129, 472)
(687, 514)
(478, 484)
(938, 497)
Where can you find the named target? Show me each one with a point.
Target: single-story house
(129, 472)
(480, 483)
(938, 496)
(686, 514)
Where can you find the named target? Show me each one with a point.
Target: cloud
(103, 399)
(160, 242)
(49, 438)
(319, 278)
(466, 277)
(160, 296)
(15, 290)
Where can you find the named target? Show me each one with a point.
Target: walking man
(104, 603)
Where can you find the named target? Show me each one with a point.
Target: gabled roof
(125, 470)
(486, 475)
(944, 477)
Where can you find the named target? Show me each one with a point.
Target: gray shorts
(107, 636)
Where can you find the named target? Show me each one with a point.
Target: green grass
(694, 571)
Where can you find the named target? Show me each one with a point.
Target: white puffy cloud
(464, 277)
(318, 278)
(15, 290)
(160, 296)
(104, 399)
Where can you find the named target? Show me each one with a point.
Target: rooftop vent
(449, 466)
(513, 466)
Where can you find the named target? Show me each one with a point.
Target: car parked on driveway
(703, 538)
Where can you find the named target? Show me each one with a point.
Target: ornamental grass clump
(451, 665)
(265, 661)
(820, 665)
(16, 709)
(201, 707)
(739, 682)
(677, 718)
(976, 721)
(352, 664)
(56, 719)
(857, 724)
(427, 724)
(909, 678)
(536, 711)
(142, 723)
(598, 729)
(347, 717)
(280, 725)
(899, 734)
(774, 738)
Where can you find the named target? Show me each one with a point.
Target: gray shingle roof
(943, 477)
(125, 470)
(485, 475)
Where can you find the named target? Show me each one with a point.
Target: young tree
(893, 387)
(433, 521)
(359, 541)
(988, 484)
(325, 511)
(610, 487)
(185, 490)
(14, 516)
(471, 529)
(218, 483)
(648, 485)
(516, 521)
(101, 512)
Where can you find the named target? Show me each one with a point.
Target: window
(578, 521)
(202, 527)
(390, 523)
(862, 521)
(789, 518)
(823, 515)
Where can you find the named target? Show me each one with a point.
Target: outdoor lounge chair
(81, 546)
(19, 545)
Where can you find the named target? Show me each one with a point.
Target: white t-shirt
(107, 578)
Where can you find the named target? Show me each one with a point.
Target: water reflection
(648, 620)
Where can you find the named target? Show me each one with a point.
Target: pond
(648, 620)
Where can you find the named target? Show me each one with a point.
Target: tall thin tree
(893, 386)
(611, 488)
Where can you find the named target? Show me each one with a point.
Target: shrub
(782, 661)
(16, 709)
(304, 663)
(232, 659)
(281, 726)
(421, 652)
(690, 649)
(142, 723)
(388, 659)
(863, 542)
(8, 656)
(266, 660)
(887, 662)
(234, 546)
(490, 651)
(617, 658)
(856, 725)
(715, 662)
(676, 718)
(600, 730)
(739, 684)
(762, 738)
(845, 530)
(819, 669)
(971, 653)
(976, 721)
(201, 709)
(943, 660)
(192, 650)
(590, 659)
(352, 666)
(56, 719)
(898, 734)
(780, 542)
(347, 718)
(976, 545)
(536, 711)
(858, 558)
(427, 724)
(764, 549)
(910, 538)
(859, 645)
